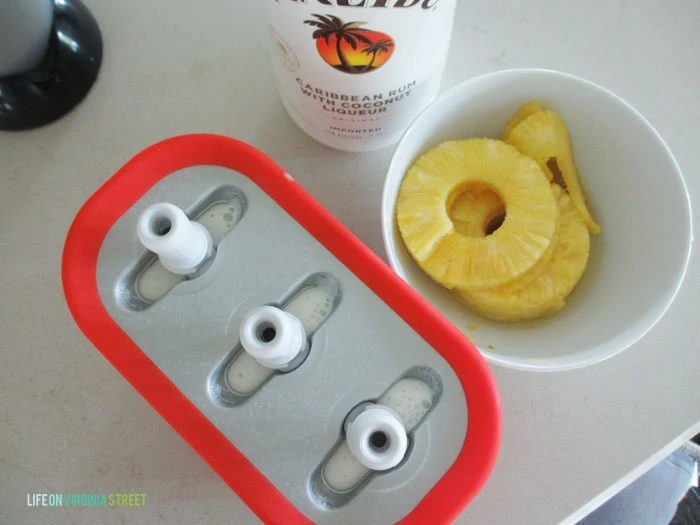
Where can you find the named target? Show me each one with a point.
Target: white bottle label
(354, 73)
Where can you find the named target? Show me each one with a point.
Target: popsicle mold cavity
(173, 243)
(253, 361)
(378, 436)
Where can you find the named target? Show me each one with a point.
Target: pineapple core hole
(476, 210)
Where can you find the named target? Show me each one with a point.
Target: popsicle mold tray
(313, 380)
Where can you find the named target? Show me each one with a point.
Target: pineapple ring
(546, 294)
(436, 180)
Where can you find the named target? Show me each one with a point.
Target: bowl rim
(580, 359)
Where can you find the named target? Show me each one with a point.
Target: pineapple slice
(437, 180)
(544, 137)
(532, 107)
(545, 294)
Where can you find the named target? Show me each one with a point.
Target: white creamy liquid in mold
(411, 398)
(219, 218)
(312, 306)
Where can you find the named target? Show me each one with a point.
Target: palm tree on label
(375, 48)
(333, 36)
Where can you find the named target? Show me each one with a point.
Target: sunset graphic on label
(348, 47)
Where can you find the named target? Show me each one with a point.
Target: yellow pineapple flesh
(544, 137)
(479, 212)
(532, 107)
(547, 292)
(457, 260)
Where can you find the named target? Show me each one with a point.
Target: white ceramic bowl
(635, 190)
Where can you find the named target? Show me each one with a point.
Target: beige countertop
(70, 423)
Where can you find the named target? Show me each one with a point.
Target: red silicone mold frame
(455, 489)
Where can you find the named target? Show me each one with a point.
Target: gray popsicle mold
(287, 427)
